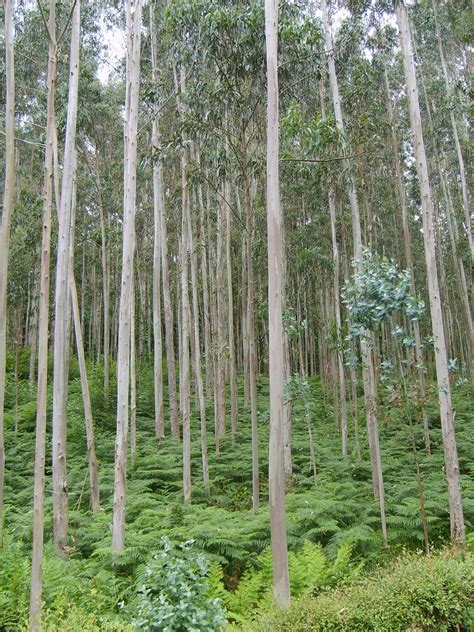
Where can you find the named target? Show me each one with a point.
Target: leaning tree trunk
(441, 360)
(134, 20)
(61, 315)
(276, 474)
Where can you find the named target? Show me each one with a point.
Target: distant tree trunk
(184, 368)
(252, 358)
(134, 20)
(91, 456)
(133, 380)
(106, 296)
(281, 586)
(158, 213)
(5, 221)
(61, 316)
(337, 312)
(43, 319)
(197, 354)
(205, 290)
(222, 316)
(454, 127)
(370, 394)
(234, 413)
(441, 360)
(408, 260)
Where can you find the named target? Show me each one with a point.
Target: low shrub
(434, 593)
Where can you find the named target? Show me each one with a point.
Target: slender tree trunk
(5, 221)
(222, 316)
(408, 260)
(61, 320)
(441, 360)
(184, 369)
(205, 289)
(106, 296)
(43, 319)
(370, 394)
(457, 144)
(134, 21)
(252, 359)
(91, 456)
(234, 413)
(158, 213)
(133, 380)
(337, 311)
(281, 586)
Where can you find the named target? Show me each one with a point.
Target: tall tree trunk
(276, 474)
(91, 455)
(252, 358)
(457, 144)
(43, 319)
(158, 213)
(234, 413)
(197, 355)
(370, 394)
(133, 379)
(61, 316)
(184, 369)
(222, 316)
(408, 259)
(441, 360)
(337, 312)
(134, 21)
(5, 221)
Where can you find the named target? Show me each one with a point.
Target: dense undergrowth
(333, 526)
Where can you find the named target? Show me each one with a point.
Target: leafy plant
(173, 595)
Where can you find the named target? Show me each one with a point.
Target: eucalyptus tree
(133, 12)
(441, 359)
(370, 394)
(5, 221)
(158, 213)
(41, 397)
(61, 313)
(276, 474)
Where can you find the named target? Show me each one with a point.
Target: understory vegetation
(216, 549)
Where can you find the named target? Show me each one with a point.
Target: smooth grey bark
(408, 258)
(276, 473)
(457, 144)
(234, 412)
(441, 360)
(5, 222)
(134, 20)
(62, 313)
(158, 213)
(368, 371)
(43, 318)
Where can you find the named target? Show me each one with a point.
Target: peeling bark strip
(281, 586)
(133, 10)
(441, 359)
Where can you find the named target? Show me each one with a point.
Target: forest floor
(92, 591)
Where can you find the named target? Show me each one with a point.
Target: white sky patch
(113, 40)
